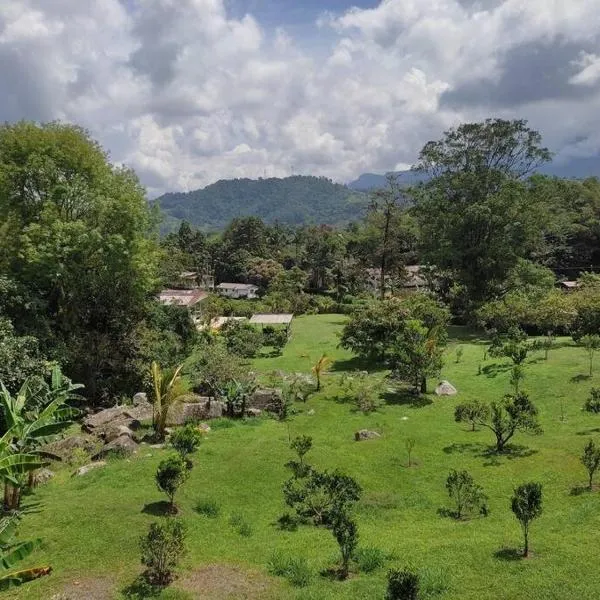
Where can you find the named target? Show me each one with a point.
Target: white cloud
(186, 94)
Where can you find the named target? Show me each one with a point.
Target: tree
(592, 404)
(517, 375)
(409, 443)
(591, 343)
(513, 413)
(78, 245)
(402, 585)
(471, 412)
(13, 552)
(526, 504)
(186, 440)
(162, 548)
(591, 460)
(467, 495)
(168, 387)
(171, 474)
(474, 212)
(242, 338)
(345, 532)
(321, 367)
(415, 355)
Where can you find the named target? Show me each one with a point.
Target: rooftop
(236, 286)
(181, 297)
(272, 319)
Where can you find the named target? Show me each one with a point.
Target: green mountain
(294, 200)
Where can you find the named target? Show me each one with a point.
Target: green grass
(90, 526)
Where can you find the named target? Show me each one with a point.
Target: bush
(186, 440)
(171, 474)
(240, 525)
(208, 508)
(296, 570)
(402, 585)
(369, 559)
(242, 338)
(161, 549)
(592, 404)
(434, 582)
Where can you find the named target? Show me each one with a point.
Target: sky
(187, 92)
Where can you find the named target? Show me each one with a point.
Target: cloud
(186, 93)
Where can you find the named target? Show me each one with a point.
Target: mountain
(293, 200)
(372, 181)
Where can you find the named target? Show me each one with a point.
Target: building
(237, 290)
(283, 320)
(187, 298)
(413, 280)
(569, 286)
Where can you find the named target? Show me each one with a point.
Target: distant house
(237, 290)
(413, 280)
(192, 280)
(187, 298)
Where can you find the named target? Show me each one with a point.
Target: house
(187, 298)
(237, 290)
(412, 280)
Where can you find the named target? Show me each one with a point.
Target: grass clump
(240, 525)
(208, 508)
(295, 569)
(370, 559)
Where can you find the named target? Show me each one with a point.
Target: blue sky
(187, 92)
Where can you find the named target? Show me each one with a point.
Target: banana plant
(168, 387)
(12, 552)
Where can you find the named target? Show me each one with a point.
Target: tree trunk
(591, 484)
(423, 385)
(526, 535)
(499, 443)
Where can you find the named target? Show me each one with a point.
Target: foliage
(402, 585)
(295, 569)
(299, 386)
(409, 444)
(345, 532)
(471, 412)
(167, 388)
(186, 439)
(591, 460)
(208, 508)
(467, 495)
(362, 390)
(320, 367)
(236, 394)
(526, 505)
(369, 559)
(592, 404)
(171, 474)
(591, 343)
(240, 525)
(162, 548)
(276, 338)
(242, 338)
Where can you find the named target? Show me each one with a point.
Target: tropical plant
(161, 549)
(591, 460)
(12, 552)
(402, 585)
(236, 393)
(168, 387)
(320, 367)
(171, 474)
(526, 504)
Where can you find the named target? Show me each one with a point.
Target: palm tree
(34, 416)
(168, 387)
(12, 552)
(320, 367)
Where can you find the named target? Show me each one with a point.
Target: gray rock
(128, 416)
(202, 408)
(204, 427)
(87, 468)
(140, 399)
(122, 446)
(42, 476)
(445, 388)
(365, 434)
(63, 449)
(253, 412)
(270, 399)
(116, 431)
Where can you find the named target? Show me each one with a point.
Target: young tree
(526, 504)
(171, 474)
(592, 404)
(345, 531)
(471, 412)
(402, 585)
(167, 386)
(591, 460)
(301, 445)
(513, 413)
(162, 548)
(409, 444)
(467, 495)
(321, 367)
(186, 440)
(591, 343)
(517, 375)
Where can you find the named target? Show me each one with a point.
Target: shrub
(592, 404)
(208, 508)
(161, 549)
(526, 504)
(240, 525)
(434, 582)
(242, 338)
(369, 559)
(402, 585)
(467, 495)
(186, 440)
(591, 461)
(171, 474)
(471, 412)
(345, 532)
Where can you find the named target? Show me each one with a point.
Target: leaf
(19, 577)
(18, 464)
(15, 554)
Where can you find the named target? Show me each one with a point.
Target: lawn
(90, 526)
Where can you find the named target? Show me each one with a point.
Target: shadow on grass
(461, 333)
(140, 589)
(406, 398)
(495, 369)
(579, 378)
(579, 490)
(475, 448)
(508, 554)
(30, 506)
(588, 431)
(489, 453)
(356, 364)
(158, 509)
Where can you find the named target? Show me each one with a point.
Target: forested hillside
(294, 200)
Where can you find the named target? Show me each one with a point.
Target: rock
(63, 449)
(128, 416)
(157, 446)
(204, 427)
(141, 398)
(122, 446)
(445, 388)
(253, 412)
(42, 476)
(202, 408)
(270, 399)
(116, 431)
(87, 468)
(365, 434)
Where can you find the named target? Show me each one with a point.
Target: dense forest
(294, 200)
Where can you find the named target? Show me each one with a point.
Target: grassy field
(90, 526)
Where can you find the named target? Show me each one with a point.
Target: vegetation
(472, 413)
(402, 585)
(591, 461)
(186, 440)
(171, 474)
(167, 386)
(467, 495)
(162, 548)
(526, 505)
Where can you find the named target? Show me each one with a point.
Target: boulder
(87, 468)
(122, 446)
(365, 434)
(445, 388)
(270, 399)
(140, 399)
(201, 408)
(204, 427)
(116, 431)
(42, 476)
(128, 416)
(253, 412)
(63, 449)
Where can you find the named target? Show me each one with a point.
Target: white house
(237, 290)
